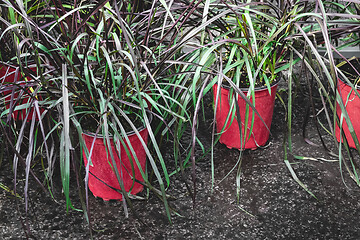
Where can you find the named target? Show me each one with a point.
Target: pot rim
(273, 84)
(130, 133)
(340, 78)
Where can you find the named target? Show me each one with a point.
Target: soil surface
(272, 205)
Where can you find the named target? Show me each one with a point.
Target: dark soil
(271, 204)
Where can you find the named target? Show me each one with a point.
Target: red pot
(353, 109)
(7, 76)
(264, 103)
(102, 170)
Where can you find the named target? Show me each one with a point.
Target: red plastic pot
(101, 173)
(352, 106)
(264, 103)
(9, 75)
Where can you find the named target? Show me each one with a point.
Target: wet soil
(271, 204)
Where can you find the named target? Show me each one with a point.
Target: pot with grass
(115, 80)
(19, 90)
(332, 92)
(253, 52)
(17, 69)
(105, 92)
